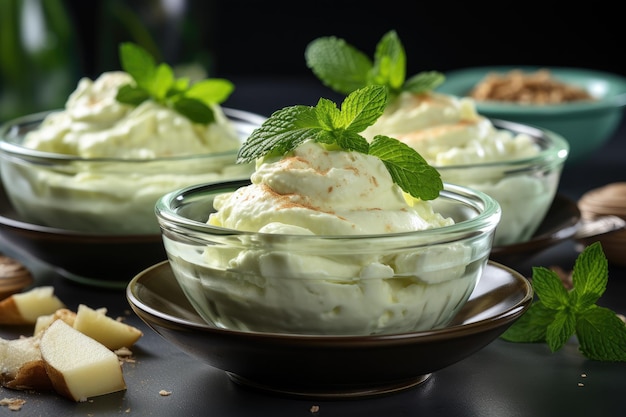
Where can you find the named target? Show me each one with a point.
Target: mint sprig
(338, 128)
(158, 83)
(343, 68)
(558, 314)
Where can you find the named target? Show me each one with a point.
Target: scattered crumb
(127, 410)
(315, 409)
(125, 352)
(14, 404)
(583, 375)
(580, 384)
(125, 355)
(164, 393)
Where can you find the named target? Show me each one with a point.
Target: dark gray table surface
(502, 379)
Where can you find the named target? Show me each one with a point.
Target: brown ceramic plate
(99, 260)
(330, 366)
(559, 224)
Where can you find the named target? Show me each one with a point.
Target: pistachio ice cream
(521, 170)
(324, 242)
(99, 165)
(468, 149)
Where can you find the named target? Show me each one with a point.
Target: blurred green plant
(44, 51)
(38, 62)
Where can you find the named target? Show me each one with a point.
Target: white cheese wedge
(79, 367)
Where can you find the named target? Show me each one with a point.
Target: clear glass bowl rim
(487, 217)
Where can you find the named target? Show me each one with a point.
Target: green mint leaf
(137, 62)
(338, 128)
(343, 68)
(408, 169)
(561, 329)
(132, 95)
(549, 287)
(590, 277)
(557, 314)
(389, 63)
(424, 82)
(180, 86)
(337, 64)
(531, 326)
(282, 132)
(194, 110)
(210, 91)
(359, 111)
(158, 83)
(328, 115)
(352, 141)
(602, 335)
(162, 82)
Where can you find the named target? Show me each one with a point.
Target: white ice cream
(118, 196)
(305, 284)
(324, 193)
(448, 132)
(94, 125)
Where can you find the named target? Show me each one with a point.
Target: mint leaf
(343, 68)
(138, 63)
(338, 128)
(338, 64)
(389, 63)
(532, 326)
(557, 314)
(282, 132)
(408, 169)
(132, 95)
(560, 330)
(424, 82)
(361, 110)
(590, 277)
(549, 287)
(194, 110)
(214, 90)
(602, 335)
(158, 83)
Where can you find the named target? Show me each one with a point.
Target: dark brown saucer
(559, 224)
(330, 367)
(109, 261)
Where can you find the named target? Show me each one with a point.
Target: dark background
(247, 41)
(269, 37)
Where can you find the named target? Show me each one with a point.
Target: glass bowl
(331, 284)
(104, 196)
(525, 188)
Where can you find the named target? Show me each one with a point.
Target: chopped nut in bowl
(91, 172)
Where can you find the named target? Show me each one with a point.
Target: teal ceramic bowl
(585, 125)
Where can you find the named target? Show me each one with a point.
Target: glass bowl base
(331, 391)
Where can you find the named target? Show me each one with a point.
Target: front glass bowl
(327, 285)
(104, 195)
